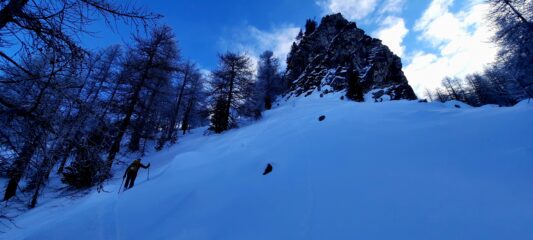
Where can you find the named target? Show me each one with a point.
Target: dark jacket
(134, 168)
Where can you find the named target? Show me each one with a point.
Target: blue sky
(435, 38)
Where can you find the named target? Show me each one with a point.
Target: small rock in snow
(268, 169)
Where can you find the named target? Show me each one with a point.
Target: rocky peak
(337, 52)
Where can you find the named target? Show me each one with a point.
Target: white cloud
(278, 41)
(351, 9)
(461, 40)
(254, 41)
(435, 10)
(392, 6)
(438, 25)
(392, 32)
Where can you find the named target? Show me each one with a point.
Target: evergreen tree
(300, 35)
(232, 91)
(355, 90)
(295, 63)
(220, 119)
(195, 105)
(187, 100)
(310, 26)
(269, 83)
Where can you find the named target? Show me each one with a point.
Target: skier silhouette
(131, 173)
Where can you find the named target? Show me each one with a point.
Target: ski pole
(121, 186)
(148, 178)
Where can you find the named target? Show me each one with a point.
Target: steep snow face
(391, 170)
(337, 53)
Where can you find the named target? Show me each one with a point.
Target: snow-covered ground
(391, 170)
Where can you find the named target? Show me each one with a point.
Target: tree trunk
(268, 102)
(115, 147)
(187, 116)
(40, 178)
(172, 133)
(230, 97)
(135, 140)
(18, 167)
(139, 128)
(35, 195)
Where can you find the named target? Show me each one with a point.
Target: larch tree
(270, 82)
(232, 88)
(514, 34)
(150, 64)
(44, 81)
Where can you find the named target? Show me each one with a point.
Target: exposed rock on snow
(268, 169)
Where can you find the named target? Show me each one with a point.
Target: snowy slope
(392, 170)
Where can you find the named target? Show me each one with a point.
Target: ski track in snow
(391, 170)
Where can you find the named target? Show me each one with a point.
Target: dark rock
(338, 49)
(268, 169)
(457, 106)
(423, 101)
(321, 118)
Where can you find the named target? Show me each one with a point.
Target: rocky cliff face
(327, 58)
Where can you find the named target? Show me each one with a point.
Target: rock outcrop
(337, 52)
